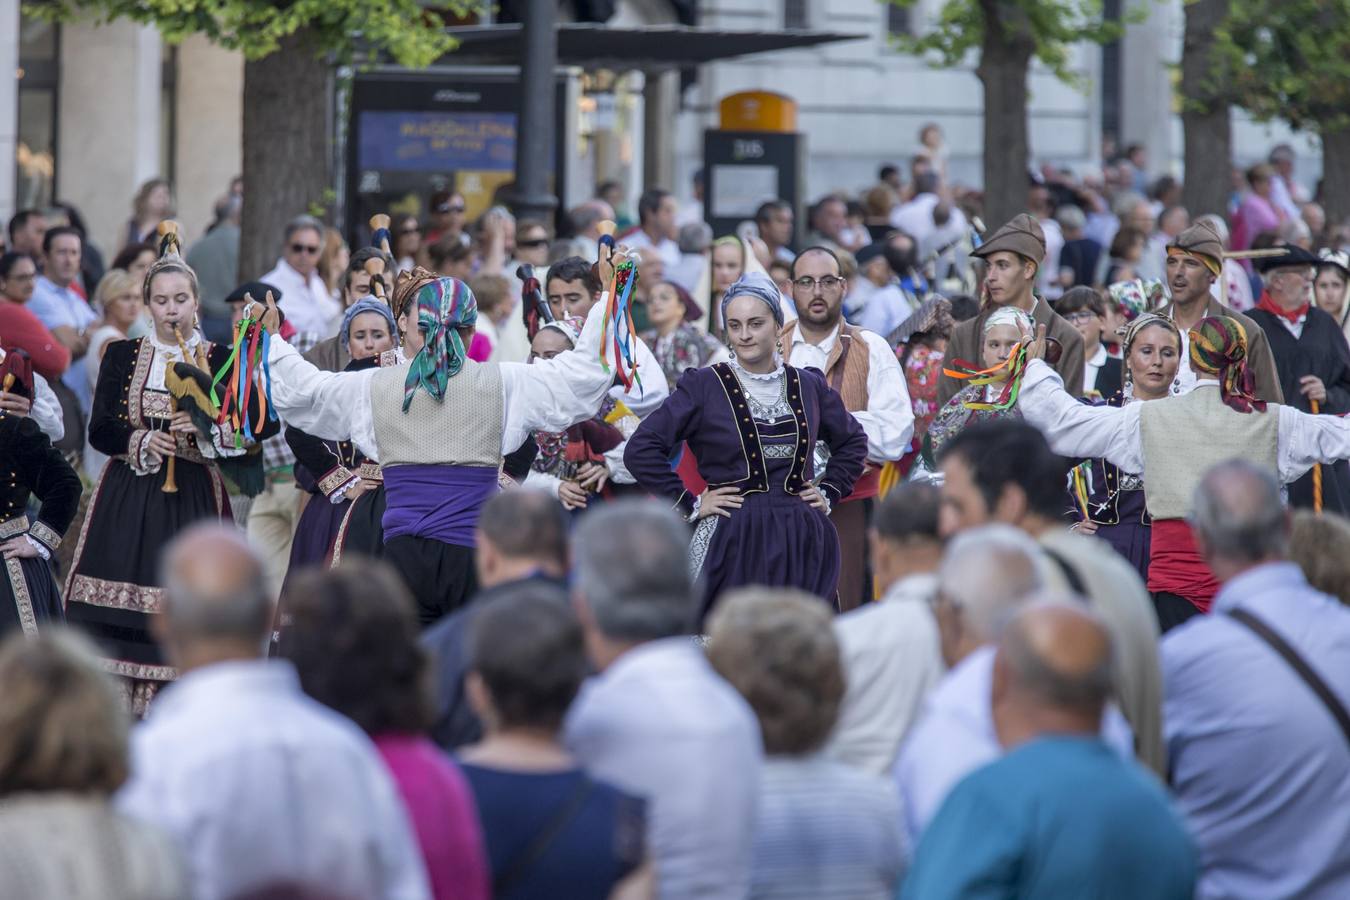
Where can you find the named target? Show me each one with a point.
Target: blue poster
(437, 141)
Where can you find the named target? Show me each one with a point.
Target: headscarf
(760, 286)
(1136, 297)
(1219, 347)
(444, 305)
(365, 305)
(1135, 327)
(569, 328)
(1008, 315)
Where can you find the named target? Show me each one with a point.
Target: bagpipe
(236, 399)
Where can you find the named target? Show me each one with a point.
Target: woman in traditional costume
(162, 476)
(31, 466)
(441, 425)
(674, 340)
(585, 460)
(335, 473)
(1171, 442)
(1108, 502)
(752, 425)
(991, 392)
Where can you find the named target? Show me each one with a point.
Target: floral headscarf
(444, 305)
(1136, 297)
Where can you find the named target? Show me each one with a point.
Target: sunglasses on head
(304, 248)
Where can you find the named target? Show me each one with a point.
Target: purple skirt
(775, 539)
(314, 534)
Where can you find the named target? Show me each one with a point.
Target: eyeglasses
(304, 248)
(827, 283)
(404, 231)
(537, 242)
(1083, 315)
(451, 209)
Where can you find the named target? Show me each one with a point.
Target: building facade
(94, 111)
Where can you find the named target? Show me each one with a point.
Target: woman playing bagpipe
(30, 465)
(154, 416)
(752, 424)
(1108, 502)
(441, 424)
(335, 473)
(566, 459)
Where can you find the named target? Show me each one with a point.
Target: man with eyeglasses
(1312, 360)
(310, 310)
(862, 368)
(1013, 258)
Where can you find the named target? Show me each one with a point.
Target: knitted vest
(463, 430)
(848, 378)
(1184, 436)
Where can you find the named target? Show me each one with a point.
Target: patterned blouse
(684, 348)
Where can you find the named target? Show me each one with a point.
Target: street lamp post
(533, 198)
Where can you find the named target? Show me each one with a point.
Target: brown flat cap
(1200, 239)
(1023, 236)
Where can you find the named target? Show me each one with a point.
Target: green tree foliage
(1049, 27)
(405, 29)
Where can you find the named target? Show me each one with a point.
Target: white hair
(989, 572)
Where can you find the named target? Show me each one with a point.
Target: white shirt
(1113, 433)
(884, 308)
(46, 410)
(669, 250)
(260, 784)
(305, 301)
(56, 306)
(1049, 271)
(660, 723)
(1092, 366)
(889, 417)
(915, 218)
(956, 736)
(891, 660)
(546, 395)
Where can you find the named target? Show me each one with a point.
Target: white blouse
(1113, 433)
(546, 395)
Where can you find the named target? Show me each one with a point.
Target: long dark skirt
(361, 531)
(314, 535)
(1131, 538)
(114, 587)
(440, 576)
(775, 539)
(29, 597)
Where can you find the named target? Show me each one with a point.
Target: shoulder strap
(1299, 665)
(522, 862)
(1076, 583)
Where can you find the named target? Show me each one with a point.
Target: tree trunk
(287, 152)
(1205, 113)
(1005, 59)
(1336, 175)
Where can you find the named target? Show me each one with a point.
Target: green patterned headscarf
(444, 306)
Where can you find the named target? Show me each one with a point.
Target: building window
(898, 19)
(795, 14)
(35, 142)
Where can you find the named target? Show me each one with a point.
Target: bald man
(260, 785)
(1048, 819)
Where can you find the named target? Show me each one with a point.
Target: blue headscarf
(759, 286)
(365, 305)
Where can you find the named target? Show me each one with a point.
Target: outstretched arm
(334, 406)
(1076, 430)
(1306, 440)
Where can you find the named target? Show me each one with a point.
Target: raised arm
(334, 406)
(1306, 440)
(1076, 430)
(553, 394)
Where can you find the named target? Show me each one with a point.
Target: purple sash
(436, 502)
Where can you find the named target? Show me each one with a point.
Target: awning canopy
(651, 48)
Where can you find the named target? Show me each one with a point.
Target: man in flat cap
(1311, 358)
(1194, 263)
(1013, 258)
